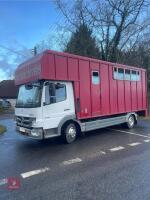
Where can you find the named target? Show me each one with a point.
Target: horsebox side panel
(48, 67)
(76, 87)
(113, 92)
(127, 88)
(85, 92)
(134, 95)
(139, 92)
(61, 67)
(144, 87)
(73, 75)
(29, 71)
(55, 67)
(146, 95)
(73, 69)
(105, 102)
(95, 90)
(121, 96)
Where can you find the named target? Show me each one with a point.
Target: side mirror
(44, 104)
(28, 87)
(59, 85)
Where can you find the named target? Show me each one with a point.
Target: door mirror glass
(59, 85)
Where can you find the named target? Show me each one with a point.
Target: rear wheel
(131, 122)
(69, 133)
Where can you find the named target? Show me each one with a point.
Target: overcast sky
(23, 24)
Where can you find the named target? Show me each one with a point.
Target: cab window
(54, 93)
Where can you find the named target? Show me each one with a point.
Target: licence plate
(22, 129)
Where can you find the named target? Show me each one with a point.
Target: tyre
(69, 133)
(131, 122)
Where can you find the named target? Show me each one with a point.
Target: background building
(8, 91)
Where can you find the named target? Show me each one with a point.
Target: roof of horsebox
(36, 68)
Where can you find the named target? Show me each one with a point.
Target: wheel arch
(66, 120)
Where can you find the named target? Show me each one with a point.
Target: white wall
(12, 101)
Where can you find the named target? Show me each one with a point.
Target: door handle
(66, 109)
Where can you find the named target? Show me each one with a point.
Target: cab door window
(60, 93)
(54, 93)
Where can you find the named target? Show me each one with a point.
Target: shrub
(2, 129)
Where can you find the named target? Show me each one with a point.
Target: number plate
(22, 129)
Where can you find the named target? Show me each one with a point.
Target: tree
(119, 26)
(82, 43)
(116, 23)
(119, 23)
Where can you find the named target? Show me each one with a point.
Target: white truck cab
(46, 109)
(42, 107)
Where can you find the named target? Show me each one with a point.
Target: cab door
(59, 103)
(95, 89)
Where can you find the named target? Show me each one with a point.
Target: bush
(1, 110)
(2, 129)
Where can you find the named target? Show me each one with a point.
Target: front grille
(24, 121)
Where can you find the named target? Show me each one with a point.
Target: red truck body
(110, 95)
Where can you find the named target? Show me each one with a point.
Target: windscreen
(29, 96)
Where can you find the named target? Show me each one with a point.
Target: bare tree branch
(114, 22)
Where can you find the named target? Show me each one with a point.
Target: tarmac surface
(106, 164)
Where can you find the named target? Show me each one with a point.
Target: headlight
(37, 132)
(33, 122)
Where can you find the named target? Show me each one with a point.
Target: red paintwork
(85, 92)
(105, 88)
(113, 92)
(110, 97)
(128, 101)
(95, 93)
(139, 94)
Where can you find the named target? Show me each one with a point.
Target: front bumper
(36, 133)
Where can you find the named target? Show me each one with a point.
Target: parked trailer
(62, 94)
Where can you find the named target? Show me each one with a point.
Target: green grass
(1, 110)
(2, 129)
(145, 118)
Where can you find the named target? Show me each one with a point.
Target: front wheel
(69, 133)
(131, 122)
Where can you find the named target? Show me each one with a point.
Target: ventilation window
(127, 75)
(120, 74)
(133, 76)
(138, 76)
(115, 73)
(95, 78)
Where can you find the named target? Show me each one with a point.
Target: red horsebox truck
(61, 94)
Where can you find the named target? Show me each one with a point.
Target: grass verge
(145, 118)
(2, 129)
(1, 111)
